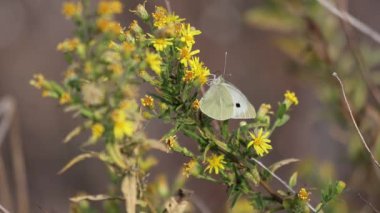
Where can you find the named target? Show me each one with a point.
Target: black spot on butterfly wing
(237, 105)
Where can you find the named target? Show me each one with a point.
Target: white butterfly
(224, 101)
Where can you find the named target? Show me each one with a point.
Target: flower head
(38, 81)
(189, 167)
(147, 101)
(65, 98)
(161, 43)
(260, 142)
(68, 45)
(187, 34)
(154, 61)
(189, 76)
(201, 72)
(185, 54)
(195, 104)
(122, 126)
(110, 7)
(105, 25)
(303, 194)
(70, 9)
(215, 163)
(97, 131)
(291, 97)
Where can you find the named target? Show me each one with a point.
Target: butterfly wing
(217, 103)
(242, 108)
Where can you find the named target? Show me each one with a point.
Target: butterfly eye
(237, 105)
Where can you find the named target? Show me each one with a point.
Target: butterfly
(224, 101)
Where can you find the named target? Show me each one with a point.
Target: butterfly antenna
(225, 63)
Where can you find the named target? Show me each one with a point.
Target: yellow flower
(117, 69)
(215, 163)
(105, 25)
(171, 141)
(195, 104)
(65, 98)
(189, 76)
(110, 7)
(71, 9)
(162, 18)
(69, 74)
(185, 54)
(122, 126)
(303, 194)
(264, 110)
(291, 97)
(161, 43)
(188, 168)
(68, 45)
(135, 27)
(38, 81)
(201, 72)
(97, 131)
(128, 47)
(147, 101)
(188, 33)
(260, 142)
(154, 61)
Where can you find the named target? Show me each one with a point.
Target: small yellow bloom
(171, 141)
(260, 142)
(291, 97)
(46, 93)
(189, 76)
(196, 104)
(122, 126)
(135, 27)
(68, 45)
(38, 81)
(154, 61)
(201, 72)
(110, 7)
(264, 110)
(188, 33)
(71, 9)
(105, 25)
(65, 98)
(97, 131)
(69, 74)
(185, 54)
(147, 101)
(303, 194)
(128, 47)
(117, 69)
(160, 17)
(215, 163)
(188, 168)
(161, 43)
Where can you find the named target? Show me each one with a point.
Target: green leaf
(293, 180)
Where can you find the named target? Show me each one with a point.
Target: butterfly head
(215, 80)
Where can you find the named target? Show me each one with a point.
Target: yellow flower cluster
(110, 7)
(105, 25)
(291, 98)
(122, 126)
(68, 45)
(70, 9)
(38, 81)
(303, 194)
(147, 101)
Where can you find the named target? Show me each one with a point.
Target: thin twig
(353, 120)
(368, 203)
(365, 29)
(3, 210)
(281, 181)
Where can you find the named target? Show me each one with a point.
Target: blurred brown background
(30, 31)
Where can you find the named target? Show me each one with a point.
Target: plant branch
(353, 120)
(368, 203)
(3, 210)
(357, 24)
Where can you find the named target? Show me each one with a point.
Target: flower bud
(141, 12)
